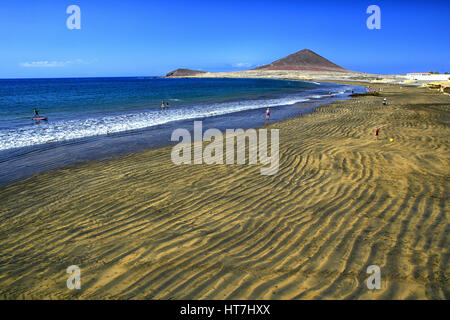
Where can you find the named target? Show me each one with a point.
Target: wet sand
(141, 227)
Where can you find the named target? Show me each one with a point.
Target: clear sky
(139, 38)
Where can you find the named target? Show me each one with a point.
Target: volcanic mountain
(303, 60)
(183, 73)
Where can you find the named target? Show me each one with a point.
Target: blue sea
(96, 118)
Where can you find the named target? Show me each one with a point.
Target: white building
(428, 76)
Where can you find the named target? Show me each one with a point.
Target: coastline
(23, 162)
(141, 227)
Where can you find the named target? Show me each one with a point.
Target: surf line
(213, 152)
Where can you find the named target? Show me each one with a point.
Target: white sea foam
(74, 129)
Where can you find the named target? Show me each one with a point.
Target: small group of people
(164, 105)
(369, 89)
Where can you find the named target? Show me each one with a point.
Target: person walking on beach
(377, 132)
(384, 101)
(267, 114)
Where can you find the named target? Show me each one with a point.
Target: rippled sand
(141, 227)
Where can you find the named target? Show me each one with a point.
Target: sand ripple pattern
(141, 227)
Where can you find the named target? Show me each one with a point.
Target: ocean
(97, 118)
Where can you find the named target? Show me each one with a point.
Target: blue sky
(139, 38)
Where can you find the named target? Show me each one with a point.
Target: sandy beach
(141, 227)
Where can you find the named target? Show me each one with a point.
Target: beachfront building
(426, 76)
